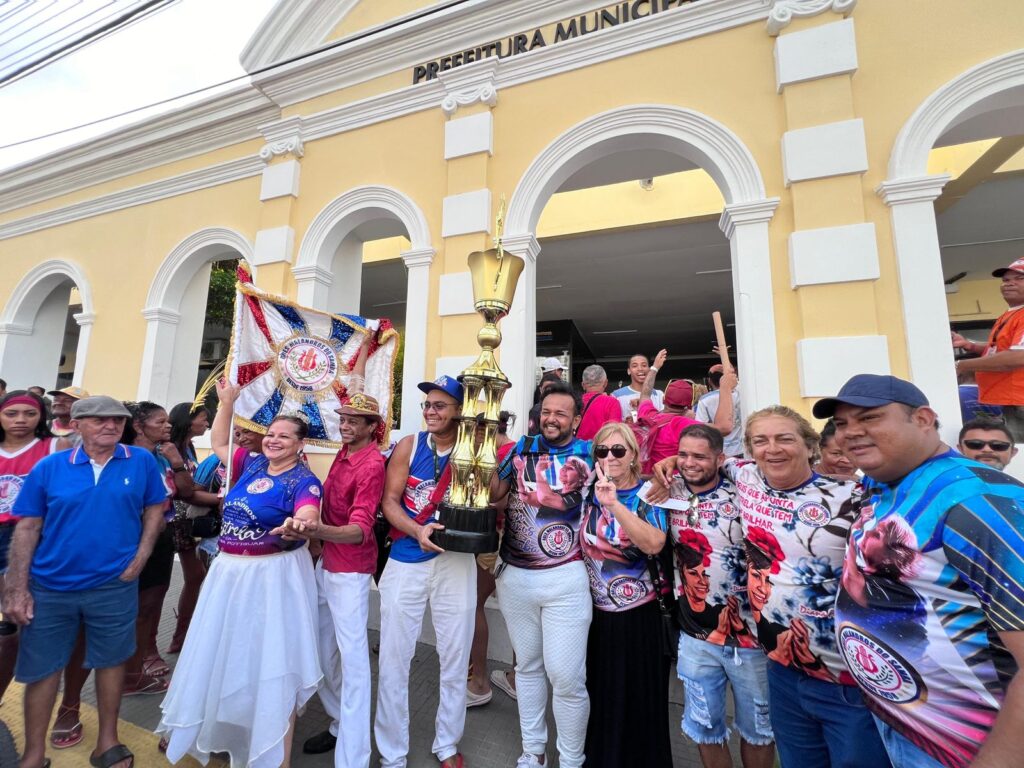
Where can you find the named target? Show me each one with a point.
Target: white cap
(551, 364)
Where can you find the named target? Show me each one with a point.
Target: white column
(922, 293)
(85, 321)
(517, 354)
(746, 226)
(157, 354)
(417, 296)
(313, 286)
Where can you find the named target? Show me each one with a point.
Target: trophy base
(467, 529)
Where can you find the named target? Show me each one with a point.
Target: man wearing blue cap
(930, 611)
(419, 572)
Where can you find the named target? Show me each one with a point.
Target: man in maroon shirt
(352, 493)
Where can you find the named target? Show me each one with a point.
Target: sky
(191, 44)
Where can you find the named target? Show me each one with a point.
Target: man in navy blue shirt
(89, 519)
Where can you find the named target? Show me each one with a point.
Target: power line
(70, 24)
(259, 71)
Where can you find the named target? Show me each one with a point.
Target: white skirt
(249, 662)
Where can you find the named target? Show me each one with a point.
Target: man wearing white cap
(552, 365)
(999, 368)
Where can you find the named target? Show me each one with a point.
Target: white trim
(824, 51)
(280, 180)
(212, 176)
(417, 295)
(219, 121)
(274, 246)
(825, 364)
(833, 255)
(466, 213)
(469, 136)
(292, 27)
(469, 84)
(784, 11)
(821, 151)
(455, 294)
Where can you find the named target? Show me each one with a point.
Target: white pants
(448, 582)
(547, 612)
(344, 607)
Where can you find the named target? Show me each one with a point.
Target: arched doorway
(46, 325)
(693, 140)
(175, 314)
(368, 252)
(973, 112)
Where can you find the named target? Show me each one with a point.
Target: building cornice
(292, 28)
(220, 121)
(784, 11)
(916, 189)
(212, 176)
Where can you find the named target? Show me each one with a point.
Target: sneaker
(499, 679)
(526, 760)
(322, 742)
(477, 699)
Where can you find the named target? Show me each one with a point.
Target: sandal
(64, 738)
(146, 685)
(163, 744)
(113, 756)
(459, 761)
(155, 666)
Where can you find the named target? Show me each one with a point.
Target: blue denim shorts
(706, 670)
(6, 534)
(108, 614)
(902, 751)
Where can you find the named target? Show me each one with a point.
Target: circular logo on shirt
(879, 669)
(728, 510)
(814, 514)
(625, 590)
(555, 540)
(260, 485)
(422, 492)
(307, 364)
(314, 490)
(10, 485)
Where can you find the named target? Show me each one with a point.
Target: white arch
(20, 356)
(314, 268)
(701, 140)
(910, 193)
(168, 351)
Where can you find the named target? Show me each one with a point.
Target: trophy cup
(469, 520)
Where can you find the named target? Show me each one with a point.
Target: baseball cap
(679, 393)
(445, 384)
(867, 390)
(76, 393)
(1017, 266)
(551, 364)
(99, 405)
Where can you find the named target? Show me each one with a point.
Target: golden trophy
(469, 520)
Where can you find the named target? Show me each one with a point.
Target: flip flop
(65, 738)
(155, 666)
(113, 756)
(147, 685)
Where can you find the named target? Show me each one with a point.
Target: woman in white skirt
(250, 662)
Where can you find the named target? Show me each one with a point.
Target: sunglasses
(995, 445)
(602, 451)
(437, 406)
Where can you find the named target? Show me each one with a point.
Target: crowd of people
(860, 591)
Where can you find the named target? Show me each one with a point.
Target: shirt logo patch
(555, 539)
(813, 514)
(260, 485)
(625, 590)
(728, 510)
(878, 669)
(10, 485)
(314, 490)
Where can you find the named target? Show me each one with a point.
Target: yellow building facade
(808, 140)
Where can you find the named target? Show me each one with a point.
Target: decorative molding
(455, 294)
(180, 265)
(811, 54)
(822, 151)
(15, 329)
(291, 146)
(213, 176)
(280, 180)
(84, 318)
(313, 272)
(284, 137)
(466, 213)
(842, 254)
(161, 315)
(469, 84)
(274, 246)
(223, 120)
(784, 11)
(36, 285)
(918, 189)
(741, 214)
(292, 28)
(693, 135)
(944, 106)
(417, 257)
(826, 363)
(525, 246)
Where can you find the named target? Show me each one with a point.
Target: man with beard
(987, 440)
(716, 648)
(543, 588)
(930, 612)
(63, 399)
(420, 572)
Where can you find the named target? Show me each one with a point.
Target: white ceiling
(985, 229)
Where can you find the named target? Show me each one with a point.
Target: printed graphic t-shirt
(617, 568)
(259, 502)
(934, 570)
(795, 542)
(14, 468)
(545, 503)
(426, 465)
(710, 564)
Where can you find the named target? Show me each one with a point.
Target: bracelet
(654, 368)
(182, 468)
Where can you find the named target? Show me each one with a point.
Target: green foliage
(220, 301)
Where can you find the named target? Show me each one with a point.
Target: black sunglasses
(995, 445)
(602, 451)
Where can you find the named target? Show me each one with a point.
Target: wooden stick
(723, 349)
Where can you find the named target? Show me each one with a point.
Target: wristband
(182, 468)
(654, 368)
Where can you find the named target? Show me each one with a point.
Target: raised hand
(227, 393)
(660, 358)
(604, 489)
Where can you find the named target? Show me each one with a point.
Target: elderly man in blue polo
(89, 519)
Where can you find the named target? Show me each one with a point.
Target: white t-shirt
(706, 409)
(627, 394)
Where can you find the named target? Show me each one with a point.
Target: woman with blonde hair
(627, 672)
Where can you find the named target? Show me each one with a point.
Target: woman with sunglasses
(627, 673)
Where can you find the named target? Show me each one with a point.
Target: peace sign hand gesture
(604, 489)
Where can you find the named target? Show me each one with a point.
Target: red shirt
(666, 441)
(14, 468)
(598, 410)
(352, 493)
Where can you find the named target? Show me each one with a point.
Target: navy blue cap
(445, 384)
(867, 390)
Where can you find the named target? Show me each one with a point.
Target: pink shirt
(352, 494)
(599, 409)
(666, 442)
